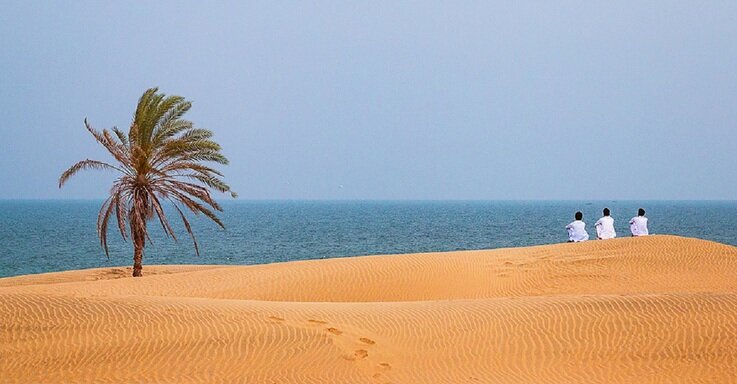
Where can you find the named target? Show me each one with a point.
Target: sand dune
(655, 309)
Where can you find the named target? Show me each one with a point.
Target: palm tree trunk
(139, 242)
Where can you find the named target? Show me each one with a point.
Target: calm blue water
(44, 236)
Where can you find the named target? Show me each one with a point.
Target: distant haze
(387, 100)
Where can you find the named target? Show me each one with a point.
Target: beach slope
(651, 309)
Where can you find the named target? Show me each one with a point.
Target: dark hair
(606, 211)
(640, 212)
(579, 215)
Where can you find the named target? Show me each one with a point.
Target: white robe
(605, 228)
(577, 231)
(638, 226)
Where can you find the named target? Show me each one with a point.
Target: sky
(484, 100)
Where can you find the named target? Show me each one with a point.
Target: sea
(51, 235)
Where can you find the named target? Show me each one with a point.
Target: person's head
(640, 212)
(579, 215)
(606, 211)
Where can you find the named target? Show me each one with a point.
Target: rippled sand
(655, 309)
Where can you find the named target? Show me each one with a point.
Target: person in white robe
(638, 224)
(577, 229)
(605, 227)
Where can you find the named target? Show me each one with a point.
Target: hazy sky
(387, 100)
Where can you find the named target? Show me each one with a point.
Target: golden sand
(656, 309)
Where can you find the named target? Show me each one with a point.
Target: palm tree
(160, 159)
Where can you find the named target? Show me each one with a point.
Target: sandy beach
(652, 309)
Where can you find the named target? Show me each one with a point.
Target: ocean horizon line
(238, 200)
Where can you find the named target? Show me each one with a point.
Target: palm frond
(184, 165)
(118, 151)
(102, 220)
(120, 214)
(187, 226)
(121, 136)
(168, 230)
(82, 165)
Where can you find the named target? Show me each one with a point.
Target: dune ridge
(652, 309)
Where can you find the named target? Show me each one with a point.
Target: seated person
(577, 229)
(638, 224)
(605, 227)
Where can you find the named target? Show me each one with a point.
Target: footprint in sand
(316, 321)
(366, 340)
(276, 318)
(358, 354)
(334, 331)
(380, 369)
